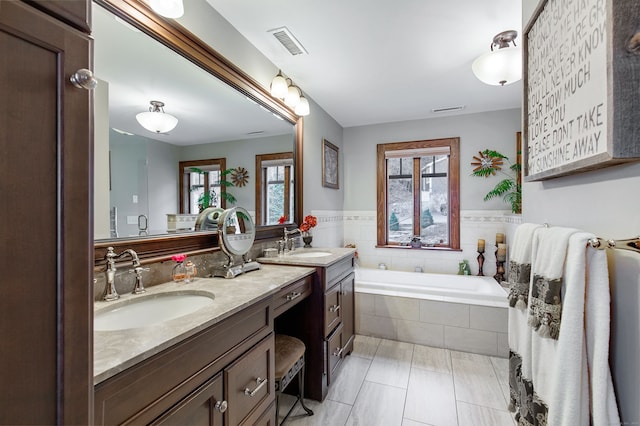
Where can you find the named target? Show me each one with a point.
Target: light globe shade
(168, 8)
(292, 97)
(157, 122)
(302, 109)
(499, 67)
(278, 87)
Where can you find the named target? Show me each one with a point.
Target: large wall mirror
(221, 112)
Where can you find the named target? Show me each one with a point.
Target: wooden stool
(289, 363)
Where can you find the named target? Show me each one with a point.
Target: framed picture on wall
(330, 178)
(579, 89)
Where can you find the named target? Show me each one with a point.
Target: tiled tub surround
(360, 228)
(114, 351)
(472, 320)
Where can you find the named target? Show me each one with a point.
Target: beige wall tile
(454, 314)
(468, 340)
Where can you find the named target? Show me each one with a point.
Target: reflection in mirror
(136, 171)
(274, 188)
(200, 185)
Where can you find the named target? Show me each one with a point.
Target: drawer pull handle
(293, 295)
(221, 406)
(338, 352)
(260, 382)
(334, 308)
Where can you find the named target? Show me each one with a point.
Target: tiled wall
(335, 229)
(468, 328)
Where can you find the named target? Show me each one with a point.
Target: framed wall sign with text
(581, 87)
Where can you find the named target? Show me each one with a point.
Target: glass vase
(179, 272)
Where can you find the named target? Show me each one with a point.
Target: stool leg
(301, 386)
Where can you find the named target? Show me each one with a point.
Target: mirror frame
(168, 32)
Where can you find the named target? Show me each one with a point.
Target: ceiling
(138, 69)
(377, 61)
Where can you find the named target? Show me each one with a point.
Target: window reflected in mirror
(200, 185)
(274, 188)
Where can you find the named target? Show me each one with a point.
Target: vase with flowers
(180, 272)
(305, 229)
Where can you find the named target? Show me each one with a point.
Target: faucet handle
(139, 287)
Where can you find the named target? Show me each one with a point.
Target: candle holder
(480, 263)
(499, 276)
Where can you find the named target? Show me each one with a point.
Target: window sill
(435, 248)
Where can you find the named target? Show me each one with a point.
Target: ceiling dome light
(156, 120)
(292, 97)
(502, 66)
(279, 86)
(302, 109)
(168, 8)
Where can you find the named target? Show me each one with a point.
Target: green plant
(394, 223)
(509, 189)
(210, 198)
(427, 219)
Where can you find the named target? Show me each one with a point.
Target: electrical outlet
(132, 220)
(135, 199)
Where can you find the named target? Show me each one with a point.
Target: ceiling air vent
(447, 109)
(289, 41)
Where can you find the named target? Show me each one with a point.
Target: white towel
(570, 382)
(519, 277)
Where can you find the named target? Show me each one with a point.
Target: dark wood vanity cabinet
(325, 322)
(224, 375)
(45, 174)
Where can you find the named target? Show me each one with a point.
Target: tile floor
(387, 383)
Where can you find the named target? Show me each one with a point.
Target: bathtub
(465, 313)
(468, 289)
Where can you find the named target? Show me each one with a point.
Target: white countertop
(115, 351)
(291, 258)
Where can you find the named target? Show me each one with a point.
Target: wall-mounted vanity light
(156, 120)
(168, 8)
(503, 65)
(283, 88)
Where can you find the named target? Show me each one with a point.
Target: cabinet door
(348, 312)
(332, 309)
(203, 407)
(73, 12)
(334, 354)
(45, 162)
(249, 383)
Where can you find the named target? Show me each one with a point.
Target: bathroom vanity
(326, 322)
(215, 365)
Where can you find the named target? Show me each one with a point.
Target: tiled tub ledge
(463, 313)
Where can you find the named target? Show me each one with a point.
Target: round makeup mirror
(236, 231)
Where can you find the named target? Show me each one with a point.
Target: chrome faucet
(288, 242)
(110, 292)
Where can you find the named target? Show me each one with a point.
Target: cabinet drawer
(203, 407)
(291, 295)
(332, 309)
(337, 271)
(249, 383)
(334, 353)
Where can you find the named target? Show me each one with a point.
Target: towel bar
(632, 244)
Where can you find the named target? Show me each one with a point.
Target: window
(418, 193)
(274, 187)
(198, 178)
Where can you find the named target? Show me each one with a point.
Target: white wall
(604, 202)
(101, 218)
(493, 130)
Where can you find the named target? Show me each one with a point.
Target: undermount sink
(148, 310)
(310, 254)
